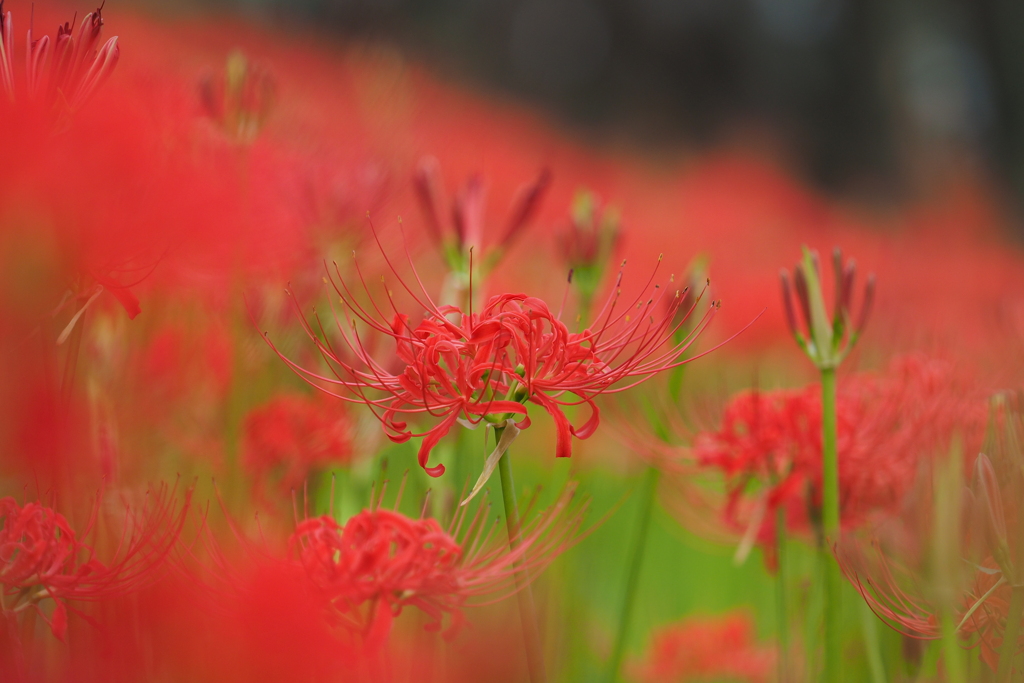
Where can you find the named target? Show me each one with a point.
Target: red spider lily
(886, 424)
(367, 570)
(77, 67)
(292, 435)
(699, 649)
(485, 365)
(907, 591)
(42, 557)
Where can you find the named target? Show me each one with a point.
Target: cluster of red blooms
(291, 436)
(886, 424)
(365, 571)
(895, 578)
(706, 649)
(43, 558)
(486, 365)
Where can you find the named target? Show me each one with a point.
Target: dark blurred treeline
(865, 96)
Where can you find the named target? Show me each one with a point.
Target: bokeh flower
(697, 649)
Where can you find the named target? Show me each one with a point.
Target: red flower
(77, 67)
(886, 423)
(380, 561)
(292, 435)
(42, 557)
(365, 571)
(485, 365)
(706, 649)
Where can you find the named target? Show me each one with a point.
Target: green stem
(527, 614)
(953, 655)
(830, 523)
(869, 628)
(1008, 650)
(781, 609)
(647, 496)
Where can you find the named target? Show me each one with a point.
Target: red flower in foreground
(292, 435)
(886, 424)
(706, 649)
(485, 365)
(42, 557)
(367, 570)
(380, 561)
(78, 65)
(908, 584)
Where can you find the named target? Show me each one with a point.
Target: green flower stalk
(827, 340)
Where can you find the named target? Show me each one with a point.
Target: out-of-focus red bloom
(886, 424)
(292, 435)
(42, 557)
(900, 581)
(77, 67)
(706, 649)
(365, 571)
(384, 559)
(485, 365)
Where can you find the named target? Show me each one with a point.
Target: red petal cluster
(385, 559)
(886, 424)
(291, 435)
(487, 364)
(699, 649)
(42, 557)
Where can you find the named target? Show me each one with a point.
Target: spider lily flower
(910, 593)
(291, 436)
(43, 558)
(365, 571)
(72, 66)
(886, 424)
(380, 561)
(588, 243)
(466, 232)
(709, 648)
(826, 340)
(241, 98)
(483, 366)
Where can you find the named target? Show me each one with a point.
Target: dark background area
(863, 97)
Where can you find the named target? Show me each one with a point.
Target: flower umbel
(484, 366)
(826, 340)
(43, 558)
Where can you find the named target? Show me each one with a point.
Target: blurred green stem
(1008, 650)
(781, 609)
(527, 614)
(869, 628)
(830, 523)
(951, 651)
(647, 496)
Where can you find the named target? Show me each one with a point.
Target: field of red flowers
(318, 367)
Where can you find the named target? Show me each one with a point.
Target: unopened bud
(524, 206)
(787, 302)
(427, 183)
(865, 307)
(800, 286)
